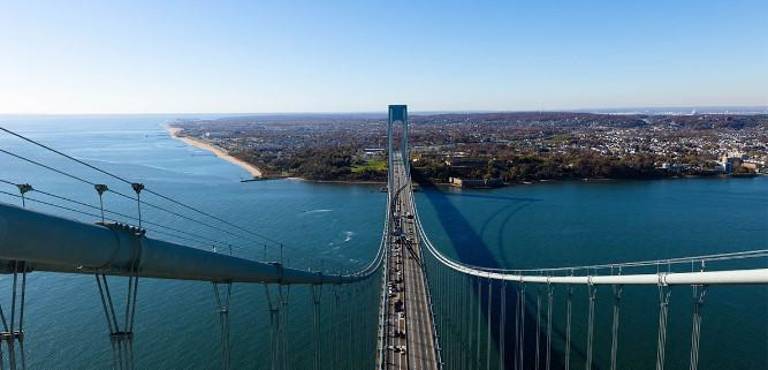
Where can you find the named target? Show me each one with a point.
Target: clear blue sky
(317, 56)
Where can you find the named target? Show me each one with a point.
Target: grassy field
(378, 165)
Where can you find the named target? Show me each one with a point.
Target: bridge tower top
(398, 113)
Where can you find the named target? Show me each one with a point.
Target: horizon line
(631, 109)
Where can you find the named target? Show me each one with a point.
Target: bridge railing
(471, 342)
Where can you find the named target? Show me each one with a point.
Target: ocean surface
(329, 226)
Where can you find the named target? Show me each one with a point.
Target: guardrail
(565, 275)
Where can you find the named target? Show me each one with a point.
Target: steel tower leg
(12, 332)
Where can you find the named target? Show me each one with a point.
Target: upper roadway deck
(410, 329)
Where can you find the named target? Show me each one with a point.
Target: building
(475, 183)
(373, 152)
(730, 163)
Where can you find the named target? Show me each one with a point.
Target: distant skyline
(304, 56)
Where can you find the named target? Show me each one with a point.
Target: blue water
(323, 227)
(326, 226)
(574, 223)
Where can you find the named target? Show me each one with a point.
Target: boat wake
(348, 236)
(314, 211)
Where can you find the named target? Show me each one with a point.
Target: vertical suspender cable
(591, 291)
(458, 346)
(550, 301)
(444, 335)
(104, 304)
(698, 301)
(284, 295)
(445, 338)
(274, 323)
(133, 281)
(350, 317)
(23, 294)
(502, 324)
(222, 304)
(2, 317)
(120, 340)
(447, 343)
(516, 350)
(440, 272)
(366, 315)
(467, 308)
(568, 308)
(663, 311)
(537, 359)
(13, 333)
(374, 313)
(521, 339)
(350, 322)
(615, 325)
(13, 305)
(360, 322)
(23, 189)
(451, 354)
(335, 318)
(479, 308)
(227, 326)
(109, 301)
(488, 343)
(2, 361)
(316, 291)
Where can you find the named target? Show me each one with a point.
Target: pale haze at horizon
(190, 57)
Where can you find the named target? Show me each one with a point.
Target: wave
(317, 211)
(348, 235)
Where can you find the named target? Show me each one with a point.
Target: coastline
(220, 153)
(258, 174)
(347, 182)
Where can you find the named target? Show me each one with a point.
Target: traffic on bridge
(410, 307)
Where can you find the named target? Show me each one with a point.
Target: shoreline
(257, 174)
(600, 181)
(218, 152)
(346, 182)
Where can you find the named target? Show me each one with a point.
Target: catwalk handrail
(378, 260)
(614, 277)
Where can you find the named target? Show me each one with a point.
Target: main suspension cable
(96, 216)
(122, 179)
(196, 237)
(158, 207)
(129, 197)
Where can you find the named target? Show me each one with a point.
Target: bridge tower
(398, 113)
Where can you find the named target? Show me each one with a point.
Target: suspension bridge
(414, 307)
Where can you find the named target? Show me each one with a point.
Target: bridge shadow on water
(471, 249)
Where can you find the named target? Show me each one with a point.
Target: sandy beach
(253, 170)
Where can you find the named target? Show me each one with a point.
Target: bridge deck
(410, 323)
